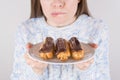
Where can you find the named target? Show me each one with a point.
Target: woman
(61, 18)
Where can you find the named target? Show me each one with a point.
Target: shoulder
(29, 23)
(90, 20)
(95, 23)
(92, 24)
(32, 21)
(97, 28)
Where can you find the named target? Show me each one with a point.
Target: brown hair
(36, 10)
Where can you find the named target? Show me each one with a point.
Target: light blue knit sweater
(85, 28)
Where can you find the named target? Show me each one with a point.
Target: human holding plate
(61, 19)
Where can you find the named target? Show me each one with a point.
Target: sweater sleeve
(22, 71)
(18, 54)
(101, 37)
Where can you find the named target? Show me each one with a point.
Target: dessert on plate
(75, 47)
(62, 49)
(47, 48)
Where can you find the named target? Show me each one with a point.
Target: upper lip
(56, 13)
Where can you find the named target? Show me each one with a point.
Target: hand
(86, 65)
(93, 45)
(35, 65)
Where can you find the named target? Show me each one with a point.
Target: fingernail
(29, 45)
(93, 45)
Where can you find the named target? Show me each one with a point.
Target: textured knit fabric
(85, 28)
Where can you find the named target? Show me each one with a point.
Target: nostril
(58, 3)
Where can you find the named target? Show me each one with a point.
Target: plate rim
(48, 62)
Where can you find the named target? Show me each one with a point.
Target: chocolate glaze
(60, 45)
(75, 44)
(48, 45)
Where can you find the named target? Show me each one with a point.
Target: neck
(61, 24)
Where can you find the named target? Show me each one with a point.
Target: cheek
(73, 10)
(45, 7)
(74, 7)
(46, 10)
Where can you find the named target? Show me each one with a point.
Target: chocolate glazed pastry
(62, 49)
(47, 48)
(76, 50)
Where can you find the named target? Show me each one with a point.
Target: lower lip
(56, 14)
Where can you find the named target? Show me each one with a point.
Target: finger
(86, 65)
(83, 66)
(40, 65)
(37, 71)
(92, 60)
(93, 45)
(25, 55)
(29, 61)
(29, 45)
(33, 65)
(89, 61)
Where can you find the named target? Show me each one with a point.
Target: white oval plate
(89, 54)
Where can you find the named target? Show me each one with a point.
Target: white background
(13, 12)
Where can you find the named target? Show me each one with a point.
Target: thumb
(29, 45)
(93, 45)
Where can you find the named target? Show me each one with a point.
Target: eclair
(47, 48)
(62, 49)
(75, 48)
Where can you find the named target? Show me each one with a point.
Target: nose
(58, 3)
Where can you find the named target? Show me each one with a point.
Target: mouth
(57, 13)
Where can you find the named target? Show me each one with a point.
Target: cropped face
(59, 12)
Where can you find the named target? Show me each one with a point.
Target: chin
(60, 21)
